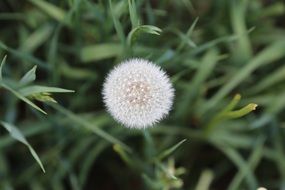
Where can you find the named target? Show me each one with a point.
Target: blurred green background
(223, 57)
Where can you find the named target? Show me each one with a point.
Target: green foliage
(133, 35)
(41, 93)
(213, 50)
(25, 93)
(16, 134)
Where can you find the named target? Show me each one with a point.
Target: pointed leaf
(16, 134)
(134, 34)
(29, 77)
(170, 150)
(118, 26)
(20, 96)
(100, 51)
(35, 89)
(53, 11)
(133, 13)
(1, 67)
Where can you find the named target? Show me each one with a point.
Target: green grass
(224, 58)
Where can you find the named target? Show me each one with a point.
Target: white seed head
(138, 93)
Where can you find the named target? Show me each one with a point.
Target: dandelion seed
(138, 93)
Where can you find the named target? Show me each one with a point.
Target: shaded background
(212, 50)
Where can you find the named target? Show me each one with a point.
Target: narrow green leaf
(253, 161)
(117, 24)
(170, 150)
(16, 134)
(270, 54)
(124, 156)
(272, 10)
(241, 112)
(276, 104)
(227, 113)
(52, 10)
(35, 89)
(186, 38)
(136, 32)
(240, 163)
(149, 147)
(23, 98)
(90, 126)
(37, 38)
(164, 57)
(205, 69)
(238, 20)
(278, 146)
(100, 51)
(191, 29)
(1, 67)
(133, 13)
(218, 117)
(120, 8)
(89, 159)
(224, 39)
(77, 72)
(29, 77)
(232, 104)
(277, 76)
(205, 180)
(24, 56)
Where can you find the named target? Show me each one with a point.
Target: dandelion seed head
(137, 93)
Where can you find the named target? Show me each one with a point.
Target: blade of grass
(277, 76)
(210, 44)
(23, 98)
(28, 130)
(133, 13)
(270, 54)
(136, 32)
(52, 10)
(241, 112)
(253, 161)
(238, 15)
(100, 52)
(90, 126)
(222, 116)
(232, 104)
(89, 160)
(24, 55)
(37, 38)
(35, 89)
(205, 69)
(117, 24)
(29, 77)
(170, 150)
(276, 104)
(242, 166)
(186, 38)
(205, 180)
(16, 134)
(1, 68)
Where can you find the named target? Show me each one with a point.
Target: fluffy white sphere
(137, 93)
